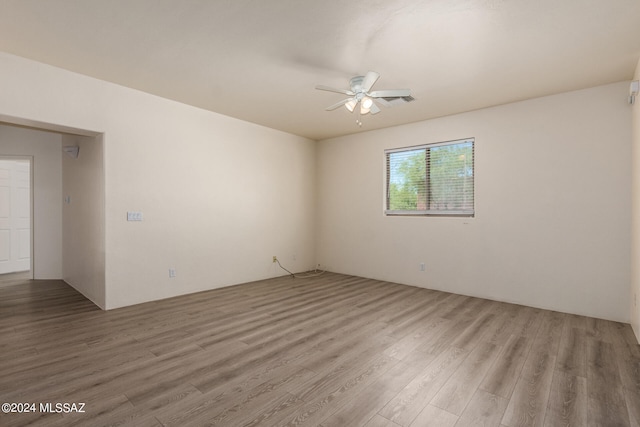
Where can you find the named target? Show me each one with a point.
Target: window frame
(463, 213)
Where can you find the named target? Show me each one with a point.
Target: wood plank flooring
(333, 350)
(10, 279)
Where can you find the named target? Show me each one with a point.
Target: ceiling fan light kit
(359, 93)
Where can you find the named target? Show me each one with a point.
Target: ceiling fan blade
(384, 102)
(369, 80)
(338, 104)
(374, 109)
(331, 89)
(397, 93)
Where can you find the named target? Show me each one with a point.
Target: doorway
(15, 219)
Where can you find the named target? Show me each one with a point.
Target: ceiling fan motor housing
(356, 84)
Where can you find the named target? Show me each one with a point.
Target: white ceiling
(259, 60)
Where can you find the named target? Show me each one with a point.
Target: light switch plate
(134, 216)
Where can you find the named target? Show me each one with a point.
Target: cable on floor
(305, 275)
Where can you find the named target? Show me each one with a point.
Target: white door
(15, 215)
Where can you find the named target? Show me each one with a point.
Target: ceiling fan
(359, 93)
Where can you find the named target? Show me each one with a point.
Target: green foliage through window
(436, 179)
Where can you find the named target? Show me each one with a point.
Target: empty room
(293, 213)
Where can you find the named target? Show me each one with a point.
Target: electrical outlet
(422, 266)
(172, 273)
(274, 258)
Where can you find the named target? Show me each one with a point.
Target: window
(433, 179)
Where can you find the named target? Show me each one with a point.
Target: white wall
(553, 206)
(45, 148)
(635, 224)
(83, 239)
(219, 196)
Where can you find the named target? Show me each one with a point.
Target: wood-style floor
(332, 351)
(10, 279)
